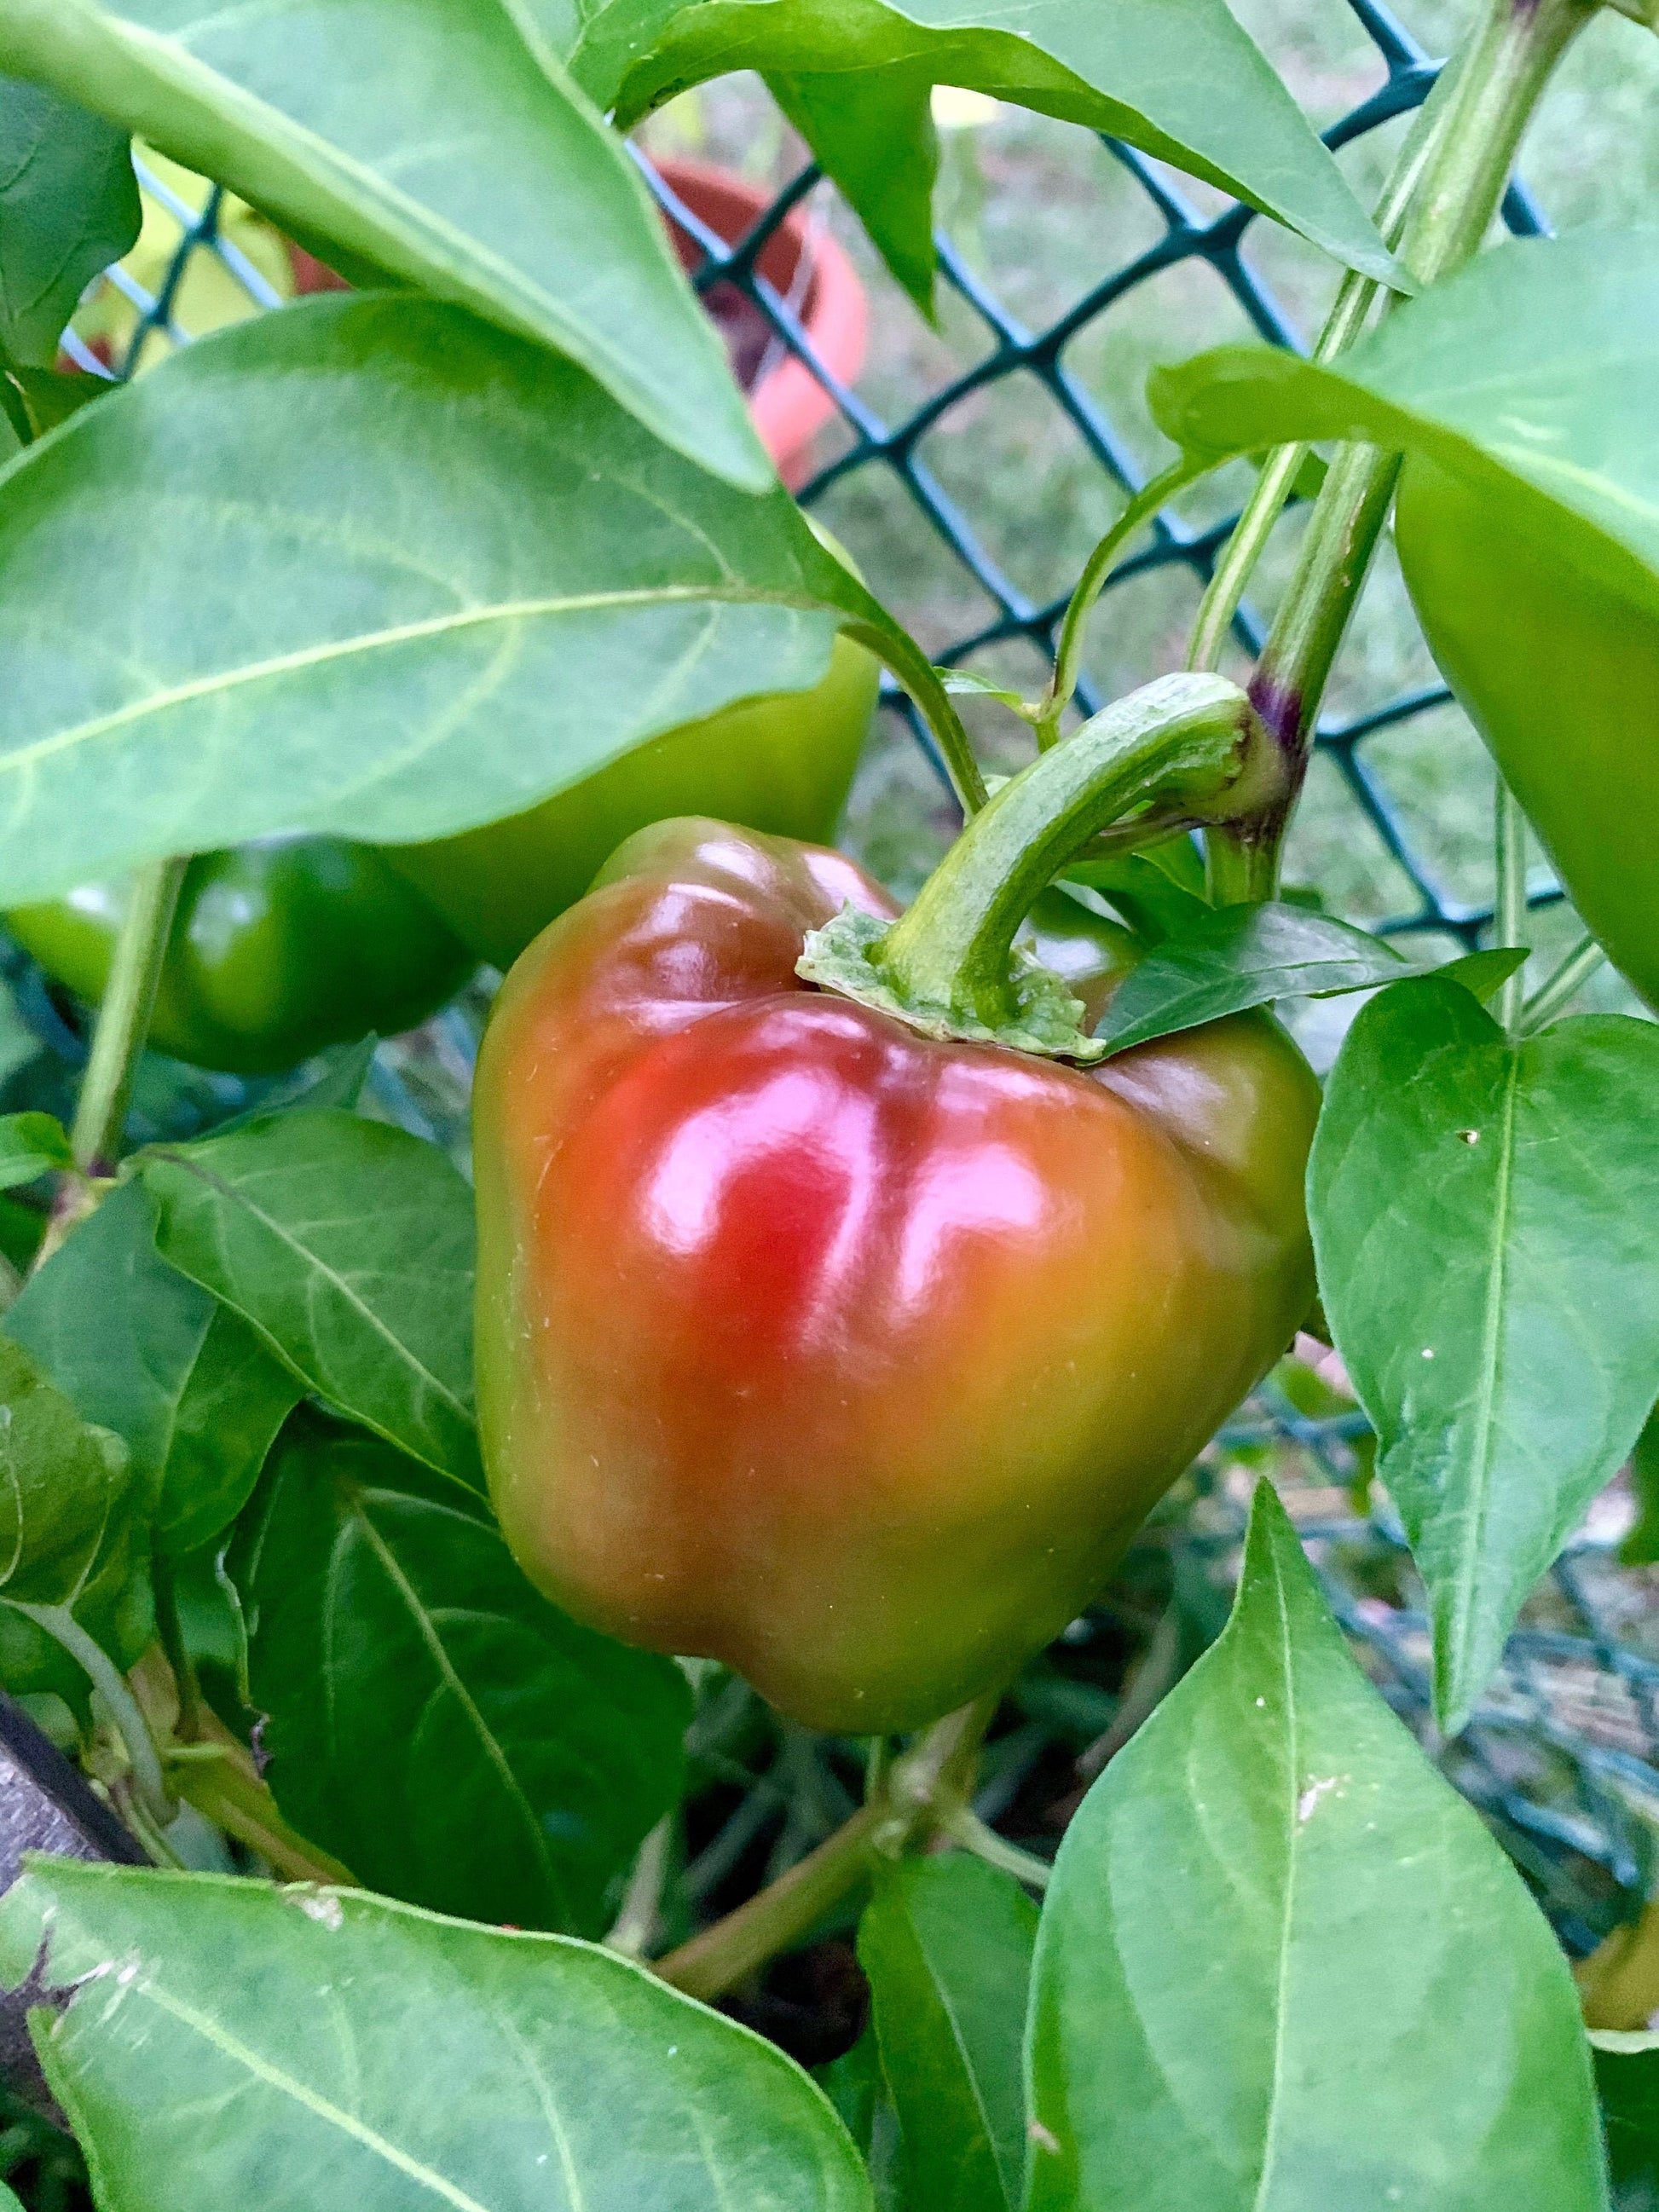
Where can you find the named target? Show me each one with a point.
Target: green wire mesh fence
(1563, 1757)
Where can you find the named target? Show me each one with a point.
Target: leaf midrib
(23, 758)
(1293, 1768)
(236, 1196)
(1465, 1587)
(426, 1629)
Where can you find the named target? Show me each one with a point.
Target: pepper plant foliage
(466, 539)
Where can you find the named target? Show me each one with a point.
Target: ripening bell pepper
(278, 948)
(851, 1357)
(1559, 676)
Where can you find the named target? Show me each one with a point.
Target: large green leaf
(140, 1349)
(404, 576)
(436, 140)
(68, 206)
(455, 1739)
(229, 2044)
(1485, 1219)
(1283, 1968)
(347, 1245)
(1528, 524)
(946, 1944)
(1178, 78)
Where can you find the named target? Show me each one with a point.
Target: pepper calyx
(1044, 1018)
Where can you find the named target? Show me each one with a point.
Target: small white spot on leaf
(1306, 1803)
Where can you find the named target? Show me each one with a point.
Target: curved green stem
(964, 1827)
(1189, 743)
(911, 666)
(1495, 86)
(633, 1926)
(123, 1708)
(118, 1038)
(1564, 985)
(931, 1776)
(1068, 650)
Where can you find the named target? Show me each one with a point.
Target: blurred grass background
(1041, 211)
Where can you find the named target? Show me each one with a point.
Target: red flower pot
(803, 265)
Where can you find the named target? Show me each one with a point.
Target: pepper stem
(1187, 749)
(124, 1016)
(918, 1791)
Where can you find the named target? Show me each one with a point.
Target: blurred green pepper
(278, 949)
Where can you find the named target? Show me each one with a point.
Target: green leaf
(965, 683)
(433, 140)
(140, 1349)
(453, 1737)
(32, 1145)
(1485, 1219)
(1224, 960)
(453, 558)
(1181, 81)
(62, 1486)
(74, 1537)
(1641, 1548)
(872, 133)
(36, 400)
(946, 1944)
(68, 206)
(1283, 1967)
(347, 1246)
(1628, 2083)
(1158, 893)
(853, 2085)
(378, 2056)
(1527, 523)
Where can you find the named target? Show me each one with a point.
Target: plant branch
(918, 1789)
(910, 664)
(1495, 87)
(120, 1703)
(1068, 650)
(216, 1774)
(1509, 906)
(636, 1924)
(1354, 299)
(1564, 984)
(117, 1036)
(963, 1825)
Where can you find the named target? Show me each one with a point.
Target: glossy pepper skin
(850, 1358)
(782, 763)
(1560, 681)
(278, 949)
